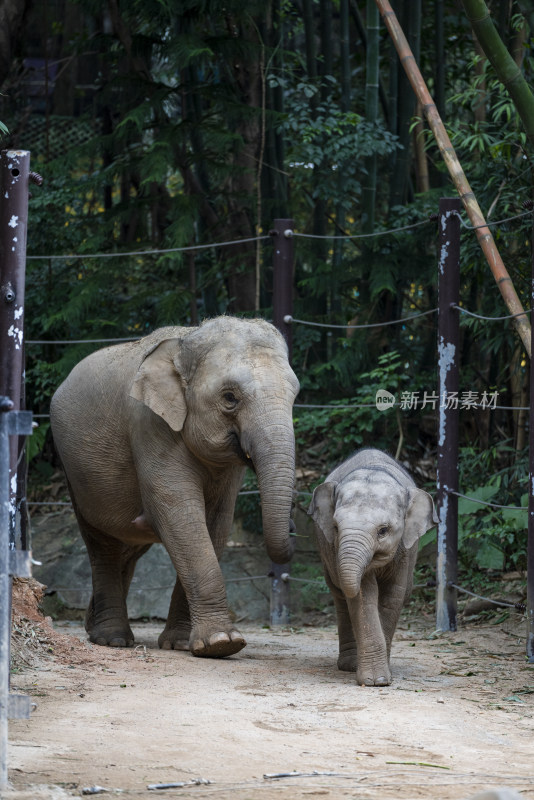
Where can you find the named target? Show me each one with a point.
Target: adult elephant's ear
(158, 384)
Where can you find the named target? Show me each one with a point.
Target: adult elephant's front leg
(372, 656)
(199, 597)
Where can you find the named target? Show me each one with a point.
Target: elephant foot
(217, 645)
(347, 661)
(112, 638)
(375, 676)
(175, 638)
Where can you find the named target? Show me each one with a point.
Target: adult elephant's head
(227, 387)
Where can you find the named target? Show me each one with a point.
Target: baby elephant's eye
(383, 530)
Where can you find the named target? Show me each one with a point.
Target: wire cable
(491, 224)
(153, 252)
(485, 503)
(518, 606)
(479, 316)
(363, 235)
(288, 319)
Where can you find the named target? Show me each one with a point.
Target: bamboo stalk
(483, 233)
(508, 72)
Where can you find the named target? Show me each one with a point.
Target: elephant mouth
(236, 448)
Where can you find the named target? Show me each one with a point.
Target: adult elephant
(154, 437)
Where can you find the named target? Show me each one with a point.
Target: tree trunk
(422, 183)
(371, 113)
(240, 260)
(337, 259)
(440, 58)
(411, 22)
(12, 19)
(504, 65)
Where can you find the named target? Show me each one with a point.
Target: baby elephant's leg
(347, 660)
(394, 591)
(373, 666)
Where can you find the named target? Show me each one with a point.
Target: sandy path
(457, 719)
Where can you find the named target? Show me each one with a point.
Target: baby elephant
(369, 516)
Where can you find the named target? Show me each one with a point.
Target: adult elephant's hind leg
(112, 564)
(177, 631)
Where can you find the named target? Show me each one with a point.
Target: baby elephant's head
(366, 519)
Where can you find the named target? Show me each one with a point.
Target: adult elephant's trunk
(274, 461)
(355, 553)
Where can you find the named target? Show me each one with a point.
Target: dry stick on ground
(483, 233)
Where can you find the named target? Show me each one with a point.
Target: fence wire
(490, 319)
(491, 224)
(163, 251)
(485, 503)
(292, 320)
(289, 319)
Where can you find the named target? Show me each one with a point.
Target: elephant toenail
(218, 637)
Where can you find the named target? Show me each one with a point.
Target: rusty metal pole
(14, 183)
(283, 257)
(5, 586)
(12, 425)
(530, 540)
(448, 365)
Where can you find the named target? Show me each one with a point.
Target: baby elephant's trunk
(355, 553)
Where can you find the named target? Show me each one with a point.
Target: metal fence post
(12, 424)
(530, 540)
(448, 365)
(283, 256)
(14, 182)
(14, 561)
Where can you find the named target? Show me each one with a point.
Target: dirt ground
(276, 720)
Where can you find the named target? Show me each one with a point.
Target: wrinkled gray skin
(154, 437)
(369, 516)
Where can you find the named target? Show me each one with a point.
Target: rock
(499, 793)
(65, 572)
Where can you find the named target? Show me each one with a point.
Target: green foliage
(35, 443)
(496, 537)
(314, 593)
(323, 138)
(248, 507)
(333, 435)
(175, 159)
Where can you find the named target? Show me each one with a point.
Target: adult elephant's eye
(230, 399)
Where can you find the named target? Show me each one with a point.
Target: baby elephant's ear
(420, 517)
(158, 384)
(322, 509)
